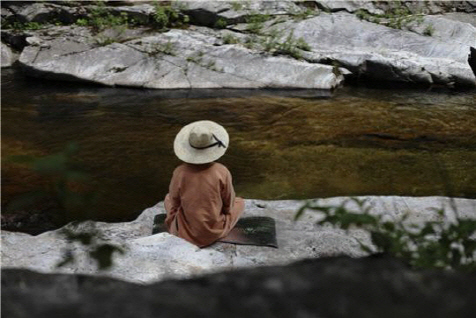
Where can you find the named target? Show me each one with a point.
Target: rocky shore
(255, 44)
(149, 258)
(309, 275)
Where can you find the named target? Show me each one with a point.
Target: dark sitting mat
(252, 230)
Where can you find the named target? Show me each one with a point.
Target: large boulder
(8, 57)
(431, 51)
(207, 13)
(414, 7)
(41, 12)
(175, 59)
(149, 258)
(382, 53)
(332, 287)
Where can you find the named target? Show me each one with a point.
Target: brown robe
(201, 204)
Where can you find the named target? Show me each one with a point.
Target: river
(284, 144)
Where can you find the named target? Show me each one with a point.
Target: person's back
(201, 204)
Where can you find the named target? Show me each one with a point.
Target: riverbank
(314, 44)
(149, 258)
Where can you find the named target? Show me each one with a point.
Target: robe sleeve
(172, 200)
(227, 194)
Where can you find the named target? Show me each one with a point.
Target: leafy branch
(431, 244)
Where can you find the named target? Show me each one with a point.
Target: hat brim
(188, 154)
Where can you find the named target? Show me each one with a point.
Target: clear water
(284, 144)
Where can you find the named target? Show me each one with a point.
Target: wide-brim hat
(201, 142)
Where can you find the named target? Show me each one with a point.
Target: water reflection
(358, 141)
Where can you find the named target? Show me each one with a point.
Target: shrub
(167, 48)
(432, 244)
(220, 24)
(256, 22)
(396, 16)
(230, 39)
(166, 16)
(22, 26)
(429, 30)
(304, 14)
(236, 5)
(292, 46)
(100, 19)
(303, 45)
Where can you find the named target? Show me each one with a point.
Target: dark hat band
(218, 143)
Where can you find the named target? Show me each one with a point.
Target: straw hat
(201, 142)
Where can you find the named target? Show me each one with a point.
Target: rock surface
(333, 287)
(8, 57)
(171, 60)
(150, 258)
(382, 53)
(434, 51)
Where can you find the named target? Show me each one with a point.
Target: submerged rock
(333, 287)
(149, 258)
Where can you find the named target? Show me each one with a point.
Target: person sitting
(201, 204)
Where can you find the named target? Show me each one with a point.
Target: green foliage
(304, 14)
(82, 22)
(99, 251)
(275, 43)
(103, 40)
(251, 42)
(256, 22)
(18, 26)
(220, 23)
(291, 45)
(165, 16)
(205, 63)
(237, 5)
(397, 16)
(429, 30)
(365, 15)
(230, 39)
(100, 18)
(62, 174)
(433, 244)
(156, 48)
(303, 45)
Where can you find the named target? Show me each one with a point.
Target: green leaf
(364, 247)
(466, 227)
(389, 226)
(300, 212)
(469, 247)
(427, 229)
(382, 241)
